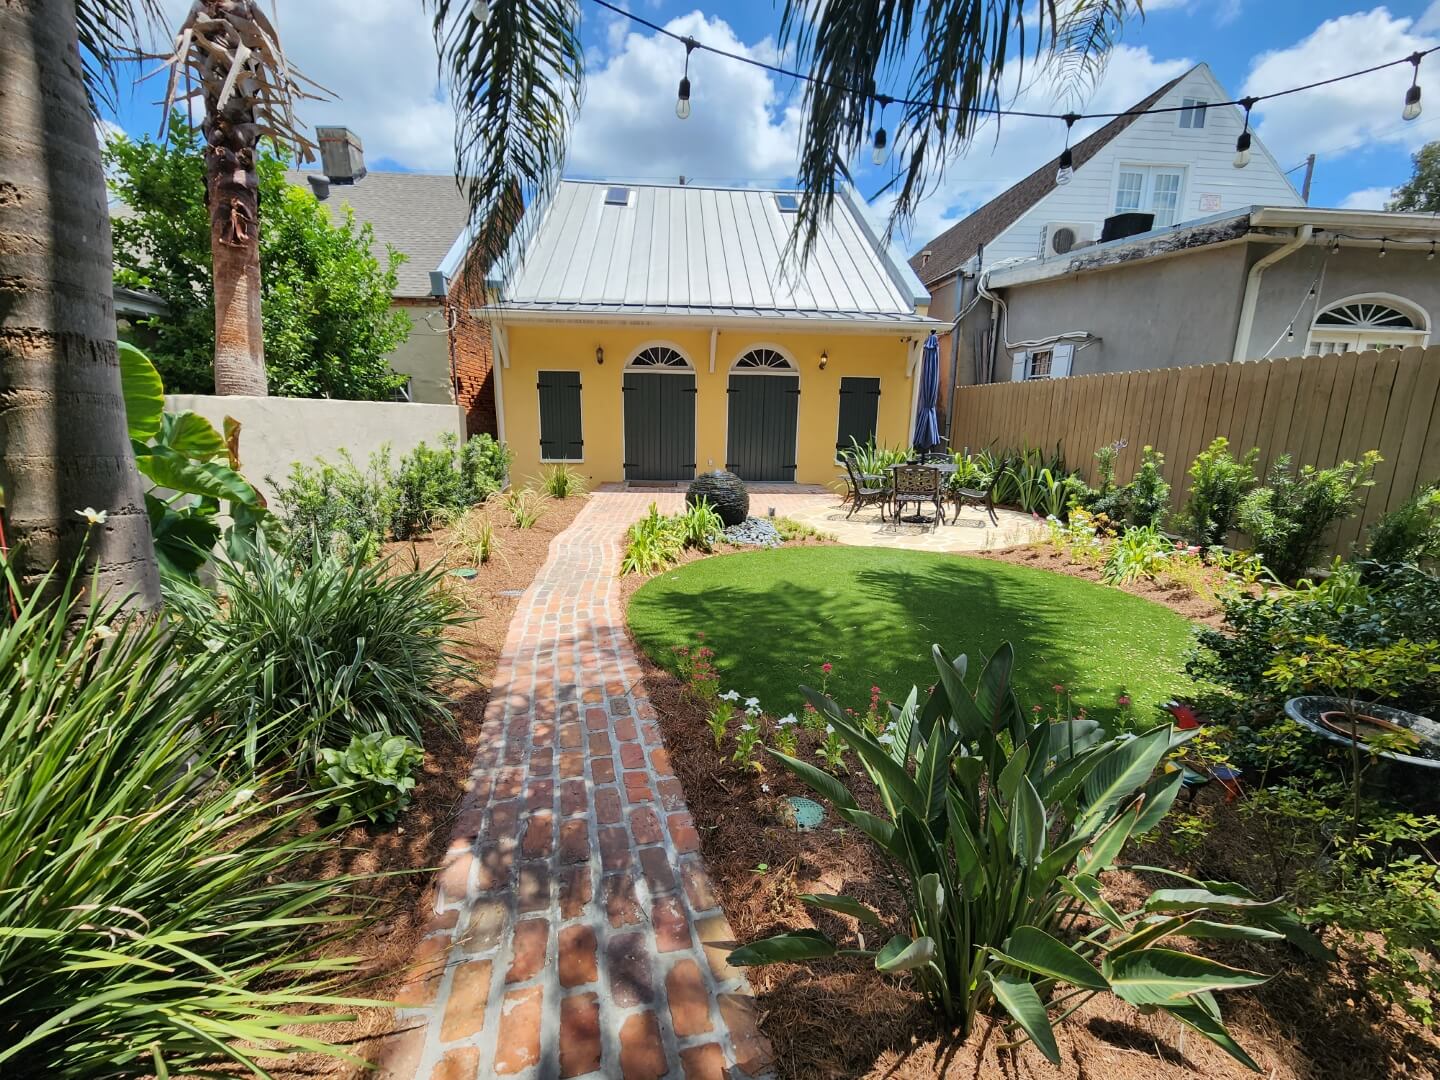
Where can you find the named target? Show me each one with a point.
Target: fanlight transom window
(1366, 315)
(659, 356)
(764, 359)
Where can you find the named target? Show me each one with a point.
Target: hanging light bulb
(1066, 172)
(1412, 95)
(1242, 144)
(1335, 245)
(682, 98)
(1290, 332)
(881, 149)
(480, 12)
(1382, 247)
(1431, 256)
(879, 154)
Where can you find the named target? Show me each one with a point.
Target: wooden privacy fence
(1319, 409)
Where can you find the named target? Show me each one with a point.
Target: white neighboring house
(1176, 166)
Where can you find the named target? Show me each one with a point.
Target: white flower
(102, 633)
(752, 702)
(747, 726)
(730, 695)
(752, 710)
(92, 516)
(787, 720)
(829, 729)
(242, 796)
(765, 788)
(887, 738)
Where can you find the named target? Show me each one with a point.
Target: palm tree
(248, 90)
(63, 441)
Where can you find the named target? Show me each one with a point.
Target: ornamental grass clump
(999, 827)
(156, 918)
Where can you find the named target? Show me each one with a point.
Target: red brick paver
(576, 933)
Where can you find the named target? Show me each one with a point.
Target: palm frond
(111, 31)
(1084, 37)
(515, 79)
(962, 50)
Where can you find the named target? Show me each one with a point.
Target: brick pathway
(576, 934)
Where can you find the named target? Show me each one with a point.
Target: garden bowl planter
(1414, 739)
(725, 492)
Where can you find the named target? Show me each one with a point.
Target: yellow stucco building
(653, 333)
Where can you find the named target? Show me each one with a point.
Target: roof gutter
(823, 323)
(1252, 289)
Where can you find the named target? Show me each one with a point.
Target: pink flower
(700, 635)
(1123, 699)
(1059, 688)
(827, 667)
(1035, 708)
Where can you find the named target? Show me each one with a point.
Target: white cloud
(1357, 113)
(1024, 144)
(1370, 198)
(740, 126)
(1429, 22)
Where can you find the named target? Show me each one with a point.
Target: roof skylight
(617, 196)
(787, 203)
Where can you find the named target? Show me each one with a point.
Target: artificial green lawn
(774, 617)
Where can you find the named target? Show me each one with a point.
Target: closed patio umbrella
(927, 427)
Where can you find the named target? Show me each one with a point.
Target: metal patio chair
(918, 484)
(865, 489)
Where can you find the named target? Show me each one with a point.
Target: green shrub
(157, 918)
(370, 778)
(430, 482)
(525, 507)
(327, 651)
(1218, 484)
(1108, 498)
(1411, 532)
(561, 481)
(1147, 496)
(1288, 518)
(653, 543)
(335, 509)
(1140, 552)
(998, 828)
(470, 539)
(874, 460)
(699, 525)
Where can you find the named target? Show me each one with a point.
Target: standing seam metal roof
(689, 247)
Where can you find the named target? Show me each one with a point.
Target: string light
(1412, 96)
(1431, 257)
(682, 100)
(881, 150)
(1242, 144)
(1066, 172)
(1382, 247)
(1290, 332)
(1335, 245)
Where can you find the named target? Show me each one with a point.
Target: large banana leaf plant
(194, 473)
(999, 828)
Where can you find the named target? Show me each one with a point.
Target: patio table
(946, 471)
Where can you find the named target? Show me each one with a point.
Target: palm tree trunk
(63, 440)
(233, 191)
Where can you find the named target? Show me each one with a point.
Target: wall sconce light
(600, 354)
(824, 359)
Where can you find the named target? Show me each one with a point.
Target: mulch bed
(415, 845)
(842, 1019)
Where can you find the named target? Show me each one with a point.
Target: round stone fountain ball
(725, 492)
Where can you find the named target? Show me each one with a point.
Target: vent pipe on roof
(342, 155)
(320, 185)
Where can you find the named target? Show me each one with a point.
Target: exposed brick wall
(472, 357)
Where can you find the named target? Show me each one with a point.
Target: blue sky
(379, 58)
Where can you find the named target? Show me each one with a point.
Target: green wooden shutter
(560, 429)
(859, 409)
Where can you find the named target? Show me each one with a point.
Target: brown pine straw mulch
(410, 849)
(840, 1018)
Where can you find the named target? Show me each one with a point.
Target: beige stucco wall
(425, 355)
(277, 432)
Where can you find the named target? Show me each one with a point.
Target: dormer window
(787, 203)
(1192, 113)
(617, 196)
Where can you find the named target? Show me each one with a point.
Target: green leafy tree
(328, 323)
(1422, 191)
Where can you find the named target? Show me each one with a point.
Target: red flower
(1123, 699)
(1035, 708)
(827, 667)
(1059, 688)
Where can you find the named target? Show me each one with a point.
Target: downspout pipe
(1252, 289)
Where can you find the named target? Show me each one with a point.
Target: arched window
(659, 356)
(764, 360)
(1358, 323)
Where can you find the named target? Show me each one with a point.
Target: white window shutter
(1060, 359)
(1020, 365)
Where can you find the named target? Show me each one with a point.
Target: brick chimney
(342, 155)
